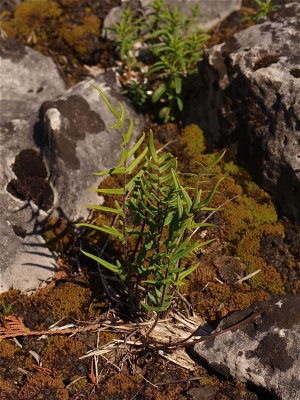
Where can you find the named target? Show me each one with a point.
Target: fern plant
(157, 213)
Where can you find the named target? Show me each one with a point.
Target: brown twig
(14, 327)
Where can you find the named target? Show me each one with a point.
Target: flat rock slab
(264, 352)
(28, 78)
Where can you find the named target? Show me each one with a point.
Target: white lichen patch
(54, 117)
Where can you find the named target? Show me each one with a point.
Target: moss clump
(56, 25)
(77, 384)
(171, 394)
(58, 234)
(32, 20)
(121, 386)
(249, 206)
(192, 142)
(39, 386)
(10, 296)
(12, 358)
(70, 299)
(8, 389)
(248, 250)
(61, 355)
(244, 212)
(78, 36)
(217, 300)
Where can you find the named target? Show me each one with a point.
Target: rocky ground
(250, 235)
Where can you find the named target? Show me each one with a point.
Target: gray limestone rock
(28, 78)
(76, 142)
(248, 92)
(264, 352)
(25, 260)
(47, 161)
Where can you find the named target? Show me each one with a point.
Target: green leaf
(104, 263)
(179, 103)
(212, 192)
(123, 158)
(128, 135)
(167, 165)
(107, 209)
(108, 191)
(107, 102)
(106, 229)
(111, 171)
(186, 251)
(165, 114)
(151, 147)
(121, 119)
(179, 207)
(187, 272)
(136, 146)
(133, 181)
(158, 93)
(178, 84)
(186, 197)
(153, 308)
(137, 161)
(153, 299)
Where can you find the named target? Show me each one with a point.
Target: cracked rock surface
(248, 93)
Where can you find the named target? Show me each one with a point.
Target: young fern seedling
(157, 214)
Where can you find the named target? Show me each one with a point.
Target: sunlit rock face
(52, 140)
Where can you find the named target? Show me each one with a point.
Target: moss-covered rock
(248, 250)
(32, 21)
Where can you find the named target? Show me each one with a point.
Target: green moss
(40, 386)
(216, 300)
(61, 355)
(192, 142)
(247, 205)
(56, 25)
(248, 250)
(77, 36)
(32, 19)
(70, 299)
(245, 212)
(77, 383)
(12, 358)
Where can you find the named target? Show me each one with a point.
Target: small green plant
(264, 8)
(157, 213)
(126, 35)
(5, 310)
(174, 45)
(137, 93)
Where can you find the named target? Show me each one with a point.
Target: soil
(50, 367)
